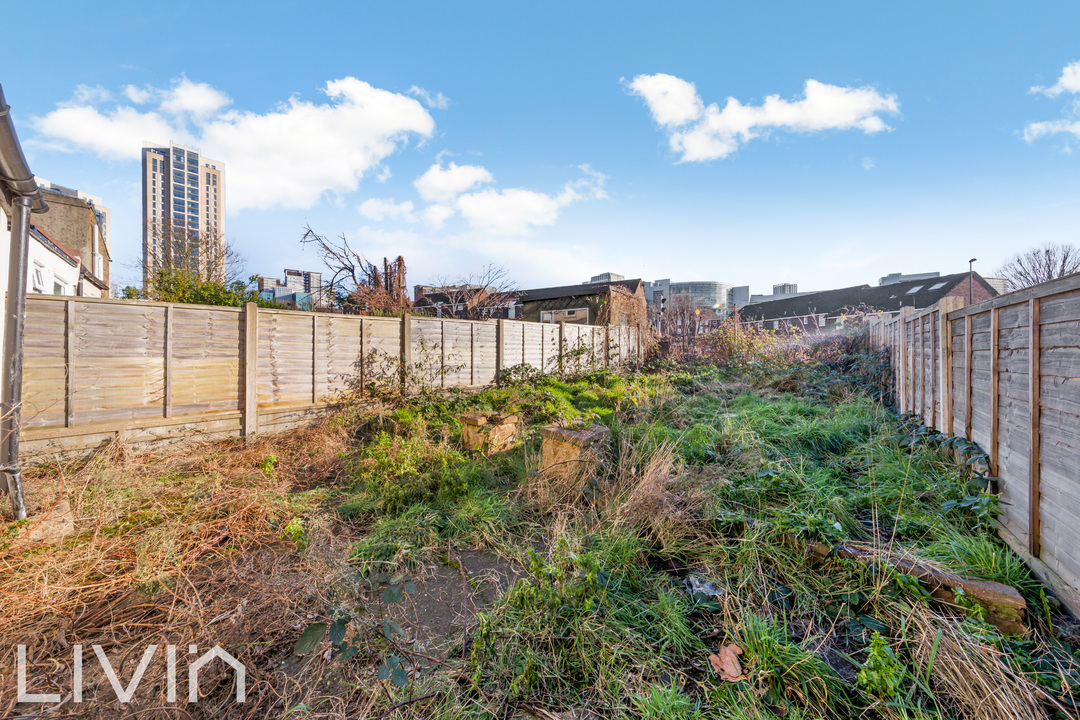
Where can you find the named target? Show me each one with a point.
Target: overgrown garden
(744, 549)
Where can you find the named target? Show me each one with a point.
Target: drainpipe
(21, 191)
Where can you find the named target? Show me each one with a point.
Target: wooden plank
(363, 354)
(69, 346)
(500, 339)
(1043, 290)
(166, 402)
(314, 358)
(967, 383)
(251, 369)
(1034, 394)
(995, 419)
(934, 326)
(406, 351)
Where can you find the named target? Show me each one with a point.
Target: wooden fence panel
(286, 364)
(205, 350)
(340, 349)
(485, 353)
(119, 371)
(44, 364)
(1007, 372)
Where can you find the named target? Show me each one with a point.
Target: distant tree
(478, 295)
(359, 285)
(1040, 265)
(184, 285)
(183, 266)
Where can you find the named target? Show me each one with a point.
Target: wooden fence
(1005, 374)
(157, 372)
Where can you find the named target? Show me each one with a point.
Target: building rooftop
(581, 290)
(911, 293)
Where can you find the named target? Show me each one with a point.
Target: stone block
(489, 433)
(567, 451)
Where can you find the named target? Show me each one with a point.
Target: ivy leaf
(384, 672)
(310, 638)
(400, 677)
(410, 587)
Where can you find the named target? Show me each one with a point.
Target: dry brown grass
(973, 674)
(146, 529)
(652, 492)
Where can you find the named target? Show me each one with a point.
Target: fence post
(406, 352)
(995, 402)
(472, 353)
(166, 403)
(905, 352)
(562, 338)
(500, 334)
(363, 353)
(1034, 440)
(251, 370)
(967, 375)
(314, 358)
(948, 305)
(69, 375)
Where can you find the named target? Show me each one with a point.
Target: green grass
(603, 619)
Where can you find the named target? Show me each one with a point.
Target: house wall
(71, 223)
(52, 269)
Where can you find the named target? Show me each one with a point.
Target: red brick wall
(979, 291)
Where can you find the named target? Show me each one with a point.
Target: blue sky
(904, 137)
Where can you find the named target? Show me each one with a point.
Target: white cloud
(90, 93)
(437, 101)
(868, 163)
(1036, 130)
(138, 95)
(516, 211)
(442, 185)
(286, 157)
(1069, 82)
(437, 215)
(672, 101)
(116, 134)
(699, 133)
(383, 209)
(199, 99)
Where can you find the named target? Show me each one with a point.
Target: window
(821, 321)
(154, 164)
(39, 280)
(914, 290)
(207, 178)
(571, 313)
(58, 289)
(938, 286)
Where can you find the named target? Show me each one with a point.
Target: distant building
(703, 294)
(183, 210)
(302, 289)
(785, 289)
(999, 284)
(827, 308)
(899, 277)
(606, 277)
(462, 301)
(739, 296)
(621, 302)
(78, 223)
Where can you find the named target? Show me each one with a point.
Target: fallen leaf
(726, 663)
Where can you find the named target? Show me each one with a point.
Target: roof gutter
(22, 192)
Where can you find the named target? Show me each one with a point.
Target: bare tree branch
(1039, 265)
